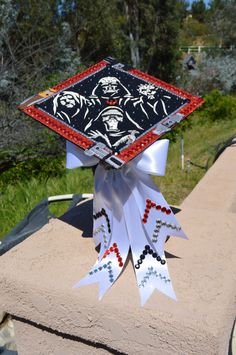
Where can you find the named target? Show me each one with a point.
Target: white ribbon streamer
(130, 212)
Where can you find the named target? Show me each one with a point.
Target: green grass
(200, 140)
(200, 143)
(17, 200)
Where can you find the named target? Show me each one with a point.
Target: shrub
(40, 168)
(218, 106)
(214, 72)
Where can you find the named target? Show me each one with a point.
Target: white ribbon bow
(130, 213)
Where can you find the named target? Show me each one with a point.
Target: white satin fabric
(130, 214)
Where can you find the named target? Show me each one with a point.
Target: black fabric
(81, 217)
(112, 106)
(74, 202)
(4, 351)
(34, 221)
(37, 218)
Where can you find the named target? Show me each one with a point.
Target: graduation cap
(112, 111)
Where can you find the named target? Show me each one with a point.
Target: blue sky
(206, 1)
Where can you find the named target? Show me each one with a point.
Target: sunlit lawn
(200, 143)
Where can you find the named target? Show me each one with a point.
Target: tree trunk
(132, 17)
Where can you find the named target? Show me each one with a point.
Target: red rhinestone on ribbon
(114, 249)
(150, 204)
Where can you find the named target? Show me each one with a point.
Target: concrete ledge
(37, 278)
(217, 189)
(31, 340)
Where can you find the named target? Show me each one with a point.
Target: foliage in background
(24, 140)
(43, 43)
(198, 10)
(38, 38)
(201, 141)
(39, 168)
(210, 25)
(213, 26)
(221, 21)
(160, 25)
(194, 32)
(215, 71)
(218, 107)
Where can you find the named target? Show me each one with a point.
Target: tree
(182, 9)
(98, 28)
(29, 46)
(160, 26)
(42, 43)
(215, 5)
(193, 32)
(132, 14)
(198, 10)
(214, 72)
(222, 22)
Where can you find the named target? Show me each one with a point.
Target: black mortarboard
(111, 110)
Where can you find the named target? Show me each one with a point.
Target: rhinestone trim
(107, 267)
(101, 229)
(153, 272)
(103, 213)
(150, 204)
(159, 224)
(114, 249)
(154, 254)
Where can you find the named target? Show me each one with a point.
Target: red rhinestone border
(58, 127)
(74, 79)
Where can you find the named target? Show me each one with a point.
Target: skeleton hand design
(129, 138)
(96, 134)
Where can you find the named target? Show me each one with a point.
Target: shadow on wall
(81, 217)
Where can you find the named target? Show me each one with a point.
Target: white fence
(199, 49)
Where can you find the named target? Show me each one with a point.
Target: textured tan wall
(34, 341)
(37, 277)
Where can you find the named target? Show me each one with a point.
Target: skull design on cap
(111, 117)
(109, 85)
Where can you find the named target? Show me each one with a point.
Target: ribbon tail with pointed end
(130, 213)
